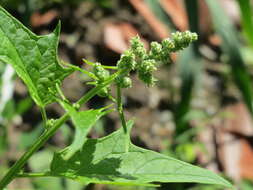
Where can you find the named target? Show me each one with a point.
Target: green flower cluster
(101, 74)
(144, 62)
(137, 58)
(179, 41)
(126, 64)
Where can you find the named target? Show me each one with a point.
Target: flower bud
(124, 82)
(101, 73)
(147, 78)
(168, 45)
(137, 47)
(145, 70)
(127, 61)
(155, 50)
(147, 66)
(136, 42)
(104, 92)
(183, 39)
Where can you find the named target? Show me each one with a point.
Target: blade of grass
(231, 46)
(189, 68)
(189, 64)
(246, 18)
(192, 12)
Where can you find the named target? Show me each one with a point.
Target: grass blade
(246, 17)
(189, 71)
(188, 64)
(192, 12)
(231, 46)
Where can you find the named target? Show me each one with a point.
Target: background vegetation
(200, 111)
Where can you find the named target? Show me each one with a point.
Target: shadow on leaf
(86, 163)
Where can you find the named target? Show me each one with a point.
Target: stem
(104, 66)
(91, 75)
(11, 174)
(44, 116)
(37, 174)
(90, 94)
(21, 162)
(122, 117)
(58, 88)
(109, 67)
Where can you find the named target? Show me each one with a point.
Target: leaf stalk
(122, 117)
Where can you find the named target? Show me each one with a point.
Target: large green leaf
(33, 57)
(83, 122)
(104, 160)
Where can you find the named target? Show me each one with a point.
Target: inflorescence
(144, 62)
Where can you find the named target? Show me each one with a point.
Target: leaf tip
(57, 29)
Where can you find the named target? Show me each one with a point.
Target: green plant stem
(122, 117)
(109, 67)
(91, 75)
(58, 88)
(11, 174)
(104, 66)
(90, 94)
(21, 162)
(37, 174)
(44, 116)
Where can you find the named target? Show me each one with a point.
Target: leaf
(231, 46)
(193, 16)
(246, 17)
(33, 57)
(189, 63)
(83, 122)
(104, 160)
